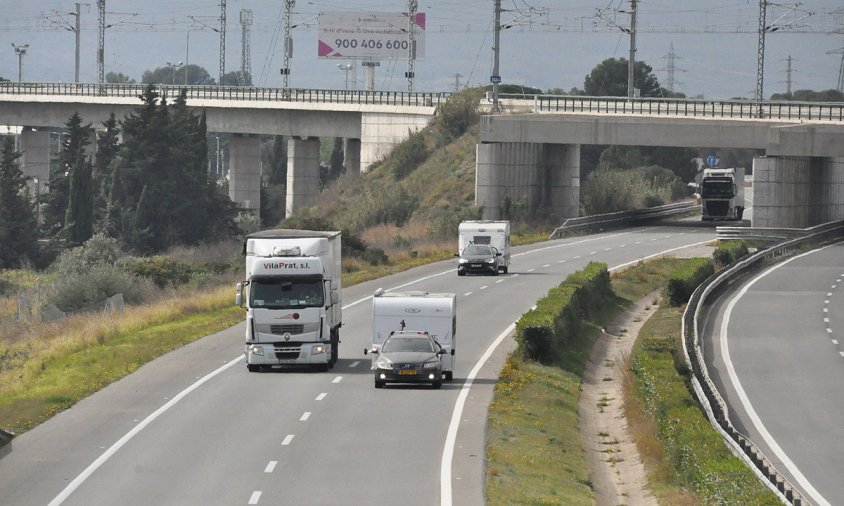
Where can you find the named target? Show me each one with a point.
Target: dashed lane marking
(271, 466)
(321, 396)
(287, 440)
(305, 416)
(255, 497)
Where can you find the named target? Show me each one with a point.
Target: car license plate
(407, 372)
(476, 265)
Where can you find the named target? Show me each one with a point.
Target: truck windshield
(285, 294)
(724, 189)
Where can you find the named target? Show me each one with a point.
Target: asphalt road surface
(773, 347)
(195, 428)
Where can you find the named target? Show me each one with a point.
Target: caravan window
(481, 239)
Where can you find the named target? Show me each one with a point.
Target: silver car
(408, 357)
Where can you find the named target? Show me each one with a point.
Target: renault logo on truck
(412, 310)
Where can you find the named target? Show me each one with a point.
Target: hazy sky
(552, 44)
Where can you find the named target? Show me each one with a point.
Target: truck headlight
(384, 363)
(256, 350)
(316, 350)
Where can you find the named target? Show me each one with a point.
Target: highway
(772, 346)
(195, 428)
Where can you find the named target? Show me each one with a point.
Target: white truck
(493, 233)
(722, 194)
(434, 313)
(292, 297)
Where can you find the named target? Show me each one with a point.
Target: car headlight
(316, 350)
(256, 350)
(431, 364)
(384, 363)
(463, 260)
(491, 261)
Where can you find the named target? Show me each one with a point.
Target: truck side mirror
(452, 352)
(335, 297)
(365, 351)
(238, 296)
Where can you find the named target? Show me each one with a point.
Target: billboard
(370, 35)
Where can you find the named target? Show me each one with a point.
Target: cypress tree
(18, 228)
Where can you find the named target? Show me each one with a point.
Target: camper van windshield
(274, 293)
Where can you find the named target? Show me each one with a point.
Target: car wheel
(448, 375)
(495, 272)
(437, 384)
(504, 269)
(379, 384)
(253, 367)
(461, 273)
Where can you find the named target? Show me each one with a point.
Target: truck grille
(284, 329)
(287, 350)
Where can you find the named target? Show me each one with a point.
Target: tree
(118, 78)
(236, 78)
(72, 157)
(108, 146)
(167, 75)
(609, 79)
(18, 239)
(811, 96)
(274, 195)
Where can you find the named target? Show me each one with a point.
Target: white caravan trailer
(494, 233)
(435, 313)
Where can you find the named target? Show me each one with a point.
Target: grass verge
(533, 453)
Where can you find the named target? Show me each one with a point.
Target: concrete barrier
(5, 442)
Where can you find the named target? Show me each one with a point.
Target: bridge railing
(424, 99)
(698, 108)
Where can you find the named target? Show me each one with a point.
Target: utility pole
(20, 50)
(631, 63)
(496, 41)
(76, 31)
(760, 52)
(671, 67)
(288, 42)
(788, 75)
(370, 73)
(412, 5)
(245, 56)
(101, 42)
(457, 82)
(840, 67)
(222, 41)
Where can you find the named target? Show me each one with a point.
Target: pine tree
(18, 239)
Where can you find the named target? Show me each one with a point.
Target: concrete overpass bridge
(532, 151)
(370, 122)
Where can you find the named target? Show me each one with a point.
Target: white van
(434, 313)
(493, 233)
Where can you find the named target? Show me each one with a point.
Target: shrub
(98, 250)
(684, 280)
(408, 155)
(728, 252)
(456, 115)
(445, 225)
(163, 271)
(89, 290)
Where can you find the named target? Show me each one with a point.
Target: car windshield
(478, 249)
(285, 294)
(411, 344)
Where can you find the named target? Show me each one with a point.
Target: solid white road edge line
(73, 485)
(451, 435)
(745, 401)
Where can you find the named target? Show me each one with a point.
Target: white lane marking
(829, 330)
(73, 485)
(271, 466)
(451, 435)
(833, 286)
(338, 379)
(560, 261)
(592, 252)
(826, 301)
(826, 320)
(287, 440)
(623, 246)
(531, 270)
(841, 353)
(835, 341)
(467, 294)
(483, 287)
(355, 363)
(829, 294)
(546, 266)
(745, 401)
(607, 249)
(499, 281)
(255, 497)
(826, 310)
(321, 396)
(638, 242)
(305, 416)
(515, 276)
(576, 257)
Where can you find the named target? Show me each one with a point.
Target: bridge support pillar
(302, 173)
(351, 155)
(529, 176)
(245, 171)
(797, 191)
(35, 159)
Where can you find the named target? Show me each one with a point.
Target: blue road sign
(712, 160)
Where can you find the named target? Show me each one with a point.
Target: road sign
(712, 160)
(495, 79)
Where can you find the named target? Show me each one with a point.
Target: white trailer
(494, 233)
(435, 313)
(292, 296)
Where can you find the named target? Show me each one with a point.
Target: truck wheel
(379, 384)
(335, 347)
(739, 213)
(322, 367)
(253, 367)
(448, 375)
(436, 385)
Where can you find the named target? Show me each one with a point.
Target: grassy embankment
(534, 454)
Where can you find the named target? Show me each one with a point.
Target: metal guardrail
(707, 393)
(421, 99)
(5, 438)
(624, 217)
(697, 108)
(758, 233)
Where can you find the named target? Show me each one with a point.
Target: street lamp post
(174, 66)
(345, 68)
(20, 50)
